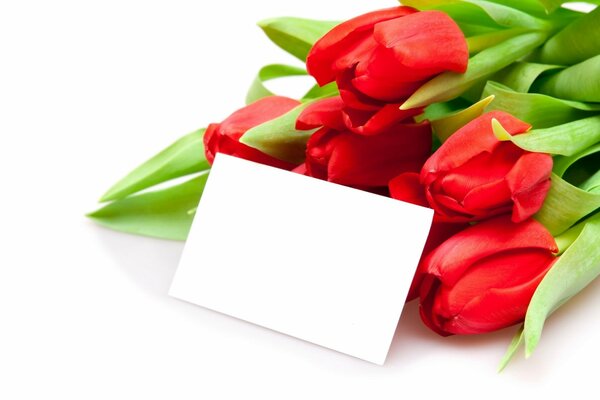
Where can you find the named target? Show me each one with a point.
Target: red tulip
(406, 187)
(474, 176)
(336, 154)
(482, 279)
(224, 137)
(384, 56)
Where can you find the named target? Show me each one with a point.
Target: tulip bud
(474, 176)
(482, 279)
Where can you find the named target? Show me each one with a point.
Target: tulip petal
(358, 160)
(488, 200)
(406, 187)
(352, 97)
(411, 37)
(482, 169)
(369, 123)
(507, 269)
(448, 208)
(529, 182)
(454, 257)
(472, 139)
(439, 232)
(321, 58)
(325, 112)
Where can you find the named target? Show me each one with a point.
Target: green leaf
(521, 75)
(444, 127)
(165, 214)
(532, 7)
(512, 349)
(539, 110)
(449, 85)
(566, 204)
(482, 41)
(279, 137)
(562, 163)
(575, 43)
(592, 184)
(481, 13)
(181, 158)
(580, 82)
(295, 35)
(258, 89)
(319, 92)
(578, 266)
(508, 16)
(566, 139)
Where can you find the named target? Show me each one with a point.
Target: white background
(88, 90)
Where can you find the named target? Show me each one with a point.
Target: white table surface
(88, 90)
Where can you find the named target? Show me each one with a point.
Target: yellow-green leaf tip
(499, 131)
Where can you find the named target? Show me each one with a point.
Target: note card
(315, 260)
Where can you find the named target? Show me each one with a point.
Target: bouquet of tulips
(486, 111)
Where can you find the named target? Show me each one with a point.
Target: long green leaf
(280, 138)
(481, 12)
(482, 41)
(508, 16)
(539, 110)
(258, 90)
(566, 204)
(580, 82)
(577, 42)
(592, 184)
(449, 85)
(165, 214)
(181, 158)
(521, 75)
(562, 163)
(578, 266)
(295, 35)
(514, 345)
(567, 139)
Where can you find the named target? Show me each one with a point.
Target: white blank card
(322, 262)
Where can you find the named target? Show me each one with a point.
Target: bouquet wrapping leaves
(486, 111)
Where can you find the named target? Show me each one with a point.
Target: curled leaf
(566, 139)
(575, 43)
(258, 90)
(541, 111)
(521, 75)
(580, 82)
